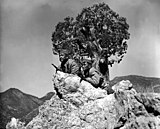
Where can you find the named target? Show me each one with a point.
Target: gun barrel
(55, 66)
(57, 69)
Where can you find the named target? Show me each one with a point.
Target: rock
(151, 102)
(78, 105)
(71, 89)
(123, 85)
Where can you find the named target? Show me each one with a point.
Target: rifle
(57, 69)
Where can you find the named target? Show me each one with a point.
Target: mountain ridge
(15, 103)
(140, 83)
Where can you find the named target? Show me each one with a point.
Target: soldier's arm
(59, 67)
(94, 79)
(74, 68)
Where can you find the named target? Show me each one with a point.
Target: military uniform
(70, 66)
(93, 76)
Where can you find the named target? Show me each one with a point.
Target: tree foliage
(95, 29)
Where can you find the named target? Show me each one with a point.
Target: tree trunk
(101, 64)
(100, 59)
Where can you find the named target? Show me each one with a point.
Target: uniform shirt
(71, 67)
(93, 76)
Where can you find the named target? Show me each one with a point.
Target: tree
(97, 32)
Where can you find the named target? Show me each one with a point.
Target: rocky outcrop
(78, 105)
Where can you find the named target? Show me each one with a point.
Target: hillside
(15, 103)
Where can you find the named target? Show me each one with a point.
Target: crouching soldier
(90, 74)
(93, 76)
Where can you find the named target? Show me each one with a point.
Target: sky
(26, 27)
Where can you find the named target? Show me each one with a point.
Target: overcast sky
(26, 47)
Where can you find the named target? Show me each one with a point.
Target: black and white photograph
(79, 64)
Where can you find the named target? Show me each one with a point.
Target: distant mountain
(15, 103)
(27, 118)
(140, 83)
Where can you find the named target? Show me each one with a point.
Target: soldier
(90, 74)
(68, 65)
